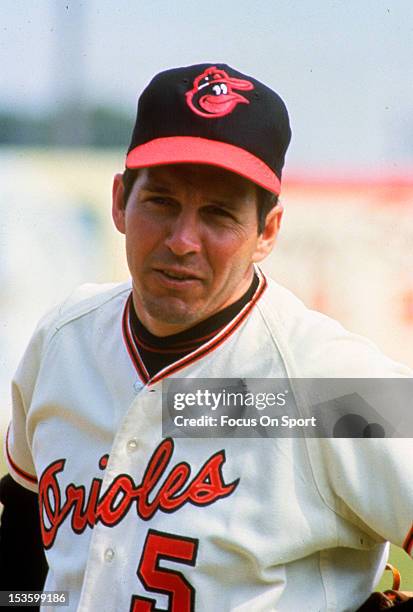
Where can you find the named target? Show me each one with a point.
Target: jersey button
(137, 386)
(109, 554)
(132, 445)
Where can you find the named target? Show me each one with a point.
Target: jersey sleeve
(17, 447)
(369, 483)
(366, 481)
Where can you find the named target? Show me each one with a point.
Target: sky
(343, 67)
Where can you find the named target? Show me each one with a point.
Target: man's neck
(162, 328)
(158, 352)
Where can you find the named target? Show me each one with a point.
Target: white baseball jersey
(133, 522)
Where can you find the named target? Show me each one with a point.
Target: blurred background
(70, 75)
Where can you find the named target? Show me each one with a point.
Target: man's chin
(170, 311)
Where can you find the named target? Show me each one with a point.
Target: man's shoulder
(292, 314)
(287, 302)
(316, 345)
(84, 300)
(300, 326)
(90, 297)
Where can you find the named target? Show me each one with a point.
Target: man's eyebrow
(225, 203)
(151, 185)
(234, 201)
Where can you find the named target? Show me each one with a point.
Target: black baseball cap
(212, 114)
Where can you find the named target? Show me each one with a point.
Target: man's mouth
(178, 275)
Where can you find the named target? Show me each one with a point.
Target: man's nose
(184, 235)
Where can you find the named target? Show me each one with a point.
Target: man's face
(191, 239)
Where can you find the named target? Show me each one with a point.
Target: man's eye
(159, 200)
(219, 212)
(158, 205)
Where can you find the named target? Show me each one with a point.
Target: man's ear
(118, 204)
(267, 238)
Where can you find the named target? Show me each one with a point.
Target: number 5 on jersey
(156, 579)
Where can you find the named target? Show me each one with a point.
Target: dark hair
(128, 178)
(266, 200)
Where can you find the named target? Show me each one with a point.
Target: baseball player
(135, 521)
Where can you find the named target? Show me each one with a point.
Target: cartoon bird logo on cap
(213, 93)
